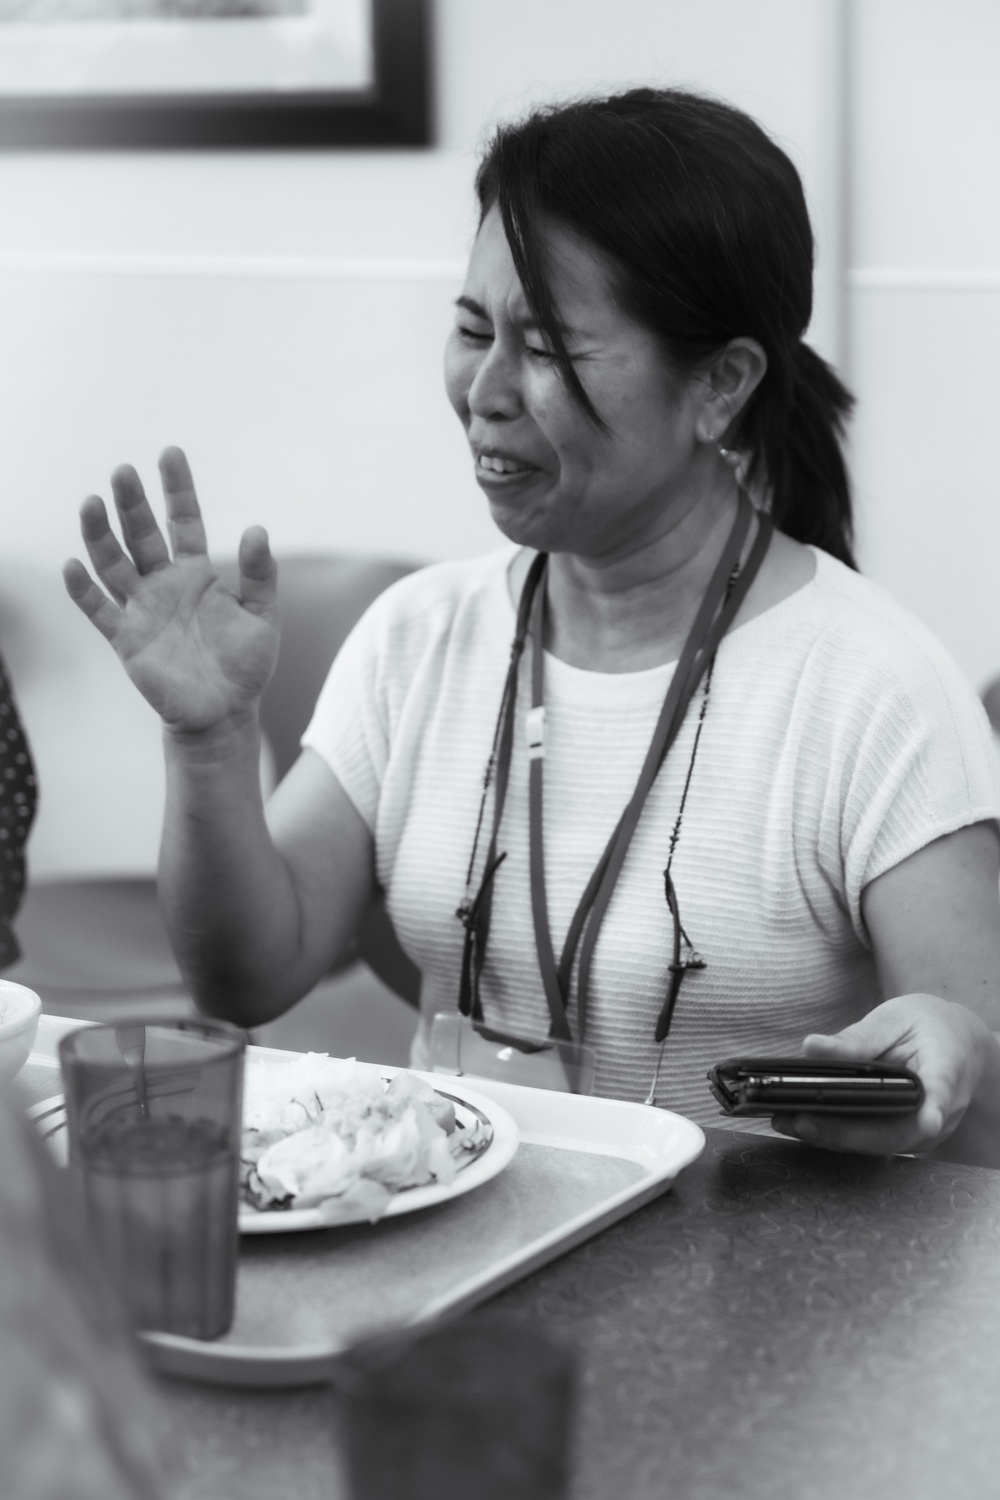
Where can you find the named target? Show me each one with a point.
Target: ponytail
(802, 456)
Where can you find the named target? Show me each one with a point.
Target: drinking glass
(481, 1407)
(154, 1114)
(461, 1046)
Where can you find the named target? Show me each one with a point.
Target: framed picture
(213, 73)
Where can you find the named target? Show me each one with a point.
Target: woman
(811, 848)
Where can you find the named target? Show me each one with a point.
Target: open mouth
(493, 466)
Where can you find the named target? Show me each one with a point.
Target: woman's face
(554, 480)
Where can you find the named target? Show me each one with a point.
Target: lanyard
(475, 915)
(721, 601)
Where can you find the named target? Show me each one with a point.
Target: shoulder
(885, 697)
(442, 628)
(449, 618)
(860, 625)
(848, 664)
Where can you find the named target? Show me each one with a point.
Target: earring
(738, 462)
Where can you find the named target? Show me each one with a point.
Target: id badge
(461, 1046)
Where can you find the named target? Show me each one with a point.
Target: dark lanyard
(476, 915)
(721, 601)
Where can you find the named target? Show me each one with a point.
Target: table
(784, 1323)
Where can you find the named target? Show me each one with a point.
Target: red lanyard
(721, 601)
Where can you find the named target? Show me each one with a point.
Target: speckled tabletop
(784, 1324)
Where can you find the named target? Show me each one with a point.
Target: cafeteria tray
(302, 1299)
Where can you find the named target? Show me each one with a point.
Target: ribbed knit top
(839, 739)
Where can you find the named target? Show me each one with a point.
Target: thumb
(258, 572)
(861, 1042)
(882, 1030)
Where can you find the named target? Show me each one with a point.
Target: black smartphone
(780, 1085)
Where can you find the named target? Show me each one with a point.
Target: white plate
(50, 1116)
(471, 1174)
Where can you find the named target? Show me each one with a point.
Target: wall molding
(226, 267)
(888, 279)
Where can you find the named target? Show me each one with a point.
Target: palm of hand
(199, 653)
(194, 651)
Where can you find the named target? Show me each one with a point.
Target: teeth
(500, 465)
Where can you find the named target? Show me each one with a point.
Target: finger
(858, 1043)
(187, 530)
(932, 1116)
(93, 601)
(944, 1100)
(116, 571)
(888, 1028)
(143, 537)
(937, 1076)
(258, 572)
(867, 1135)
(866, 1040)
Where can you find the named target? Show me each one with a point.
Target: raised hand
(197, 652)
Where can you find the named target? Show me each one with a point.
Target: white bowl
(19, 1012)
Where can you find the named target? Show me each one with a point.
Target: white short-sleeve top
(839, 738)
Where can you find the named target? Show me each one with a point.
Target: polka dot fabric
(18, 796)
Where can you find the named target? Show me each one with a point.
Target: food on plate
(335, 1135)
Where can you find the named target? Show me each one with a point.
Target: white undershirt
(839, 739)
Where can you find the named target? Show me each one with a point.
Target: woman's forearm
(229, 898)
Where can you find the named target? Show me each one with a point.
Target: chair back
(322, 596)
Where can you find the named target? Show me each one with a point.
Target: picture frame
(213, 74)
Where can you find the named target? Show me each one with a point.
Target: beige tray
(582, 1164)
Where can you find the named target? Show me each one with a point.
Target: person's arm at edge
(934, 922)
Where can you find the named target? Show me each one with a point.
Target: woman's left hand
(948, 1046)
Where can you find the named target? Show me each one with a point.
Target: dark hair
(704, 220)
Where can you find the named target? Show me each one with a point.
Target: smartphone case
(773, 1085)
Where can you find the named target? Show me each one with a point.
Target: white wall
(924, 307)
(310, 398)
(282, 316)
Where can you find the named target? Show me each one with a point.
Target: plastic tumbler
(480, 1407)
(154, 1114)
